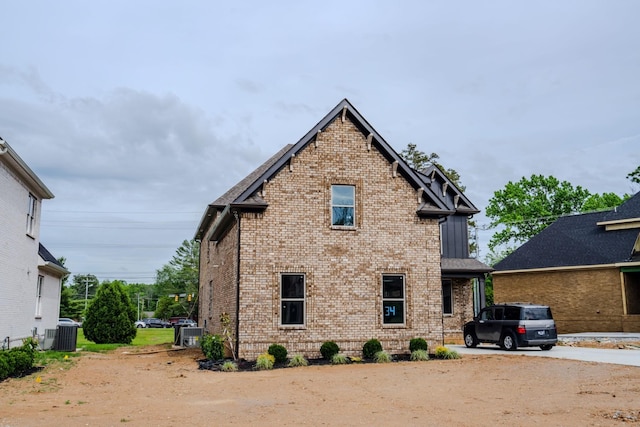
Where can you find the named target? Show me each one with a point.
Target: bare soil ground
(157, 387)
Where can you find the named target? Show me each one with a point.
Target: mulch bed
(250, 365)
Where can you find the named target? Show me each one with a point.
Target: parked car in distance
(187, 322)
(152, 322)
(65, 321)
(140, 324)
(512, 326)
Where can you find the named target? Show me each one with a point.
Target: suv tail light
(522, 330)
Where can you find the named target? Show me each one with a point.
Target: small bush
(279, 352)
(20, 361)
(356, 359)
(298, 360)
(212, 346)
(382, 357)
(4, 366)
(265, 361)
(328, 349)
(370, 348)
(418, 344)
(443, 352)
(339, 359)
(229, 366)
(419, 355)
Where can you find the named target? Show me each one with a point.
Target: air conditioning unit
(190, 337)
(49, 337)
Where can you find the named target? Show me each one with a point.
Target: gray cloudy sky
(138, 114)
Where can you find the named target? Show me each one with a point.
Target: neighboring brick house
(30, 277)
(333, 238)
(585, 267)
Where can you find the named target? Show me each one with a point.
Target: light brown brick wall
(343, 268)
(580, 300)
(462, 310)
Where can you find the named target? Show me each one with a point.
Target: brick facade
(343, 268)
(588, 300)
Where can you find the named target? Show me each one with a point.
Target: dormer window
(343, 205)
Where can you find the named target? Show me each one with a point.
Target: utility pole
(86, 292)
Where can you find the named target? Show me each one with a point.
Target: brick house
(585, 267)
(30, 277)
(333, 238)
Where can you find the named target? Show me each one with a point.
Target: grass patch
(144, 337)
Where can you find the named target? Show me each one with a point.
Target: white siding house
(30, 277)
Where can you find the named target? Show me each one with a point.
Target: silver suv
(512, 326)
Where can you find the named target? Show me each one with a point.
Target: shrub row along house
(30, 277)
(585, 267)
(337, 238)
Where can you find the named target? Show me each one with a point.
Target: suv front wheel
(470, 340)
(509, 342)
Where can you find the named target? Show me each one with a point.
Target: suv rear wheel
(509, 342)
(546, 347)
(470, 339)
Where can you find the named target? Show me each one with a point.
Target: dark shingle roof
(463, 265)
(47, 256)
(577, 240)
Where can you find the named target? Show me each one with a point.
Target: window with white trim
(447, 297)
(39, 296)
(343, 205)
(31, 214)
(292, 298)
(393, 299)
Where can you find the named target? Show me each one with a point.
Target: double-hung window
(31, 214)
(447, 297)
(292, 295)
(393, 299)
(39, 296)
(343, 205)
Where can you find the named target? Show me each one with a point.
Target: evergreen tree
(110, 317)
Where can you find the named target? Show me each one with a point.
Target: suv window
(512, 313)
(486, 315)
(537, 313)
(498, 313)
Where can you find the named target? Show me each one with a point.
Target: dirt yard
(165, 388)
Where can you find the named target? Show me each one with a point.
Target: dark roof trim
(50, 261)
(366, 128)
(464, 204)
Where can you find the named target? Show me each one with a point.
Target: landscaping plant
(443, 352)
(370, 348)
(419, 355)
(265, 361)
(212, 346)
(382, 357)
(417, 344)
(339, 359)
(110, 316)
(298, 360)
(328, 349)
(279, 352)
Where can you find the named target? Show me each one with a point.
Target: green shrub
(265, 361)
(279, 352)
(328, 349)
(4, 366)
(419, 355)
(382, 357)
(418, 344)
(370, 348)
(339, 359)
(110, 316)
(212, 346)
(20, 361)
(298, 360)
(444, 353)
(229, 366)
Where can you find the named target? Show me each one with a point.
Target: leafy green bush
(298, 360)
(212, 346)
(370, 348)
(419, 355)
(20, 361)
(4, 366)
(418, 344)
(229, 366)
(328, 349)
(279, 352)
(444, 353)
(265, 361)
(110, 316)
(339, 359)
(382, 357)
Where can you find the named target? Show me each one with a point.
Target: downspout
(236, 215)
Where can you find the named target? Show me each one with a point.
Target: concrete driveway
(600, 355)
